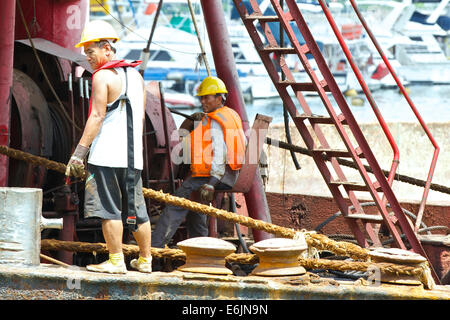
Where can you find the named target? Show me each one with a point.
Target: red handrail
(416, 113)
(366, 90)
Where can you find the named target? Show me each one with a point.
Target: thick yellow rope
(242, 258)
(319, 241)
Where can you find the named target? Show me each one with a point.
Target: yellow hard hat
(211, 85)
(97, 30)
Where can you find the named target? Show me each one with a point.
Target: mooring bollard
(21, 223)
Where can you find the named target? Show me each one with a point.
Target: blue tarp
(442, 21)
(156, 74)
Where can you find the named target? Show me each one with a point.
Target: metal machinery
(44, 100)
(49, 106)
(44, 106)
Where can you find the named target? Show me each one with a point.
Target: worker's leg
(169, 221)
(173, 216)
(197, 225)
(143, 233)
(143, 239)
(113, 232)
(102, 200)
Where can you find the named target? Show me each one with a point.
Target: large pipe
(226, 70)
(7, 21)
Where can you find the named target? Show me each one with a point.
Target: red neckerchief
(110, 65)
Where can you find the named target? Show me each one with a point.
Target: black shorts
(105, 194)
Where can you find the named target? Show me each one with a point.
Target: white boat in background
(174, 60)
(412, 47)
(175, 52)
(256, 83)
(173, 57)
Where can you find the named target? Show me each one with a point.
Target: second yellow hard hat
(211, 85)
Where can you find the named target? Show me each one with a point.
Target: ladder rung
(341, 153)
(366, 217)
(302, 86)
(334, 152)
(159, 150)
(354, 186)
(278, 50)
(320, 119)
(262, 18)
(305, 49)
(359, 152)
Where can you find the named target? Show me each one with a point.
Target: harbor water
(431, 101)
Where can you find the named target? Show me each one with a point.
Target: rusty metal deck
(59, 283)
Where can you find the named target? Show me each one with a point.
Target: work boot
(142, 264)
(108, 267)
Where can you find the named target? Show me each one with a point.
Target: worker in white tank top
(114, 129)
(109, 147)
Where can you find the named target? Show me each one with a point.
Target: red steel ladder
(340, 116)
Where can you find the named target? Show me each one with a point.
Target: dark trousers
(172, 216)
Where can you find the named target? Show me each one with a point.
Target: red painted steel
(7, 21)
(225, 66)
(366, 91)
(321, 86)
(61, 22)
(381, 181)
(414, 109)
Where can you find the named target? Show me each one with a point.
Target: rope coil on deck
(242, 258)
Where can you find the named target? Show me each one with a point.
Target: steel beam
(226, 70)
(7, 21)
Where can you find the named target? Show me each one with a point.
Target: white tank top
(110, 146)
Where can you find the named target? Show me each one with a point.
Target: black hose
(365, 204)
(238, 229)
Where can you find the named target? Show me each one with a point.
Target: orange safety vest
(200, 138)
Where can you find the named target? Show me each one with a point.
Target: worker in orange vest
(216, 151)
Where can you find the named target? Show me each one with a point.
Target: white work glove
(75, 166)
(207, 190)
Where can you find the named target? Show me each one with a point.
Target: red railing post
(414, 109)
(7, 23)
(366, 91)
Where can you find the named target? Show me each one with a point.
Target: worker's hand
(197, 116)
(75, 166)
(207, 193)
